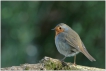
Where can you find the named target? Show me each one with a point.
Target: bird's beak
(53, 29)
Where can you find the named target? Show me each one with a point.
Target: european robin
(68, 42)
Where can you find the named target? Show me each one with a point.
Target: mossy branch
(48, 63)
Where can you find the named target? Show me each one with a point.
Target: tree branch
(48, 63)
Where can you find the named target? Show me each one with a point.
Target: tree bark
(48, 63)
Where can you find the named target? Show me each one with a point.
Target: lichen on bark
(48, 63)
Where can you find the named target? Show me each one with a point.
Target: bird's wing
(71, 43)
(73, 40)
(76, 43)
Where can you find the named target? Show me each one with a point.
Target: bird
(69, 43)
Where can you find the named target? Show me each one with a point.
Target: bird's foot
(74, 64)
(63, 63)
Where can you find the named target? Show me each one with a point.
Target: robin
(68, 42)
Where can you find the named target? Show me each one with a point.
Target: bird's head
(61, 28)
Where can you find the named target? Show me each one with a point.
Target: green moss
(26, 68)
(58, 66)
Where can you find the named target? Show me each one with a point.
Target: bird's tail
(85, 52)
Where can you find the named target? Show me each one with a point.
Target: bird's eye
(59, 27)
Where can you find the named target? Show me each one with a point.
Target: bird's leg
(63, 58)
(63, 63)
(74, 60)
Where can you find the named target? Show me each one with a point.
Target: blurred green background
(26, 35)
